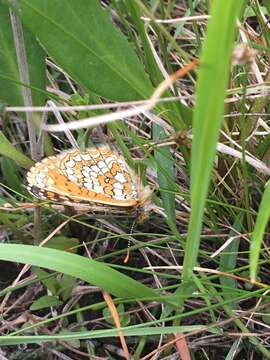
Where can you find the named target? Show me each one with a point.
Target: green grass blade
(96, 334)
(9, 150)
(213, 76)
(257, 236)
(92, 271)
(228, 260)
(11, 175)
(166, 177)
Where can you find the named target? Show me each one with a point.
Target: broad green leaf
(258, 233)
(10, 88)
(45, 302)
(92, 271)
(80, 37)
(66, 286)
(37, 68)
(9, 92)
(63, 243)
(47, 279)
(124, 318)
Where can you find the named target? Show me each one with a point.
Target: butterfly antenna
(129, 241)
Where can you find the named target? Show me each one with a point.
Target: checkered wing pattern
(97, 175)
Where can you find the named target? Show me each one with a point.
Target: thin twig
(178, 20)
(59, 118)
(106, 118)
(24, 76)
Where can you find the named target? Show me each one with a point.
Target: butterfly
(98, 177)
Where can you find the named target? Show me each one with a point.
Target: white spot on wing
(50, 181)
(86, 156)
(69, 171)
(89, 181)
(72, 178)
(109, 159)
(95, 168)
(70, 163)
(93, 174)
(122, 163)
(98, 189)
(118, 193)
(78, 158)
(86, 173)
(88, 185)
(120, 177)
(101, 164)
(94, 153)
(118, 186)
(39, 177)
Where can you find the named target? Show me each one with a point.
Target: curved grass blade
(92, 271)
(257, 236)
(228, 261)
(9, 150)
(212, 82)
(96, 334)
(166, 177)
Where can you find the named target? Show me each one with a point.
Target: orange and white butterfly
(97, 177)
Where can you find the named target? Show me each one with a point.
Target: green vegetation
(197, 279)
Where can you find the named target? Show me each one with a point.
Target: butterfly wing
(96, 175)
